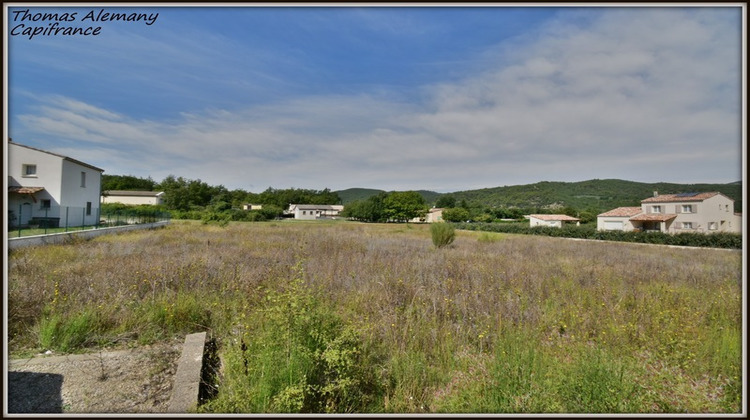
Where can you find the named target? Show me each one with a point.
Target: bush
(443, 234)
(711, 240)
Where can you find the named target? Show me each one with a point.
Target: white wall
(75, 196)
(131, 200)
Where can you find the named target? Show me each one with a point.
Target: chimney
(656, 193)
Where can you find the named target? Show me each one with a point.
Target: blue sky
(394, 98)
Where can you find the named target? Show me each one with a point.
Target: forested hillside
(598, 194)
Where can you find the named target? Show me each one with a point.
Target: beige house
(314, 211)
(133, 197)
(252, 207)
(434, 215)
(552, 220)
(674, 213)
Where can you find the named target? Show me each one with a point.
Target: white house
(673, 213)
(133, 197)
(314, 211)
(252, 207)
(552, 220)
(49, 189)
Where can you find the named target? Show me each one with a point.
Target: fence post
(46, 219)
(83, 218)
(98, 217)
(20, 217)
(66, 218)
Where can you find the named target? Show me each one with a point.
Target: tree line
(194, 199)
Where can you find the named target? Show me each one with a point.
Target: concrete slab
(188, 377)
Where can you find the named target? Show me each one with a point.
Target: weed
(443, 234)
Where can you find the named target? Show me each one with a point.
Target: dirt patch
(137, 380)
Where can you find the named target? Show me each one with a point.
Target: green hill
(597, 194)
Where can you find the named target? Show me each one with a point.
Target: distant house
(49, 189)
(432, 216)
(552, 220)
(673, 213)
(314, 211)
(133, 197)
(252, 206)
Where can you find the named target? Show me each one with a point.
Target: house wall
(305, 214)
(78, 196)
(48, 169)
(605, 223)
(131, 200)
(533, 221)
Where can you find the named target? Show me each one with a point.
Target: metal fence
(27, 221)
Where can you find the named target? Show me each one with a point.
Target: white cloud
(642, 94)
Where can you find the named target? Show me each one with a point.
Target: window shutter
(677, 209)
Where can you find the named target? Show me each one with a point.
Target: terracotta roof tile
(25, 190)
(554, 217)
(653, 217)
(623, 212)
(667, 198)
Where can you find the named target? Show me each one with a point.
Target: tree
(446, 202)
(403, 206)
(457, 214)
(127, 183)
(368, 210)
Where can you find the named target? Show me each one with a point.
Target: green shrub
(296, 356)
(443, 234)
(67, 334)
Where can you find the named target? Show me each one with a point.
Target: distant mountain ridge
(596, 194)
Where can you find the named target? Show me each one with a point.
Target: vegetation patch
(367, 318)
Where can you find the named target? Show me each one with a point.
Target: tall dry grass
(499, 323)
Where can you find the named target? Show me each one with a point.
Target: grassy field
(374, 318)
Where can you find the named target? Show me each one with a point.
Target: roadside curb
(187, 380)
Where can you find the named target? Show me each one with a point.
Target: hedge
(710, 240)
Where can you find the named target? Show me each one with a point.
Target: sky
(393, 97)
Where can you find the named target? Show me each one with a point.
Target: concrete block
(188, 376)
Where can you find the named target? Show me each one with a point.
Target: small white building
(49, 189)
(252, 207)
(133, 197)
(551, 220)
(314, 211)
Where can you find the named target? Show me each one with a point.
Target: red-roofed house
(553, 220)
(674, 213)
(47, 188)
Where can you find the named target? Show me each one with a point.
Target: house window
(687, 208)
(88, 208)
(46, 204)
(83, 179)
(687, 225)
(711, 225)
(29, 170)
(656, 209)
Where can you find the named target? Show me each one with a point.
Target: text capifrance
(27, 23)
